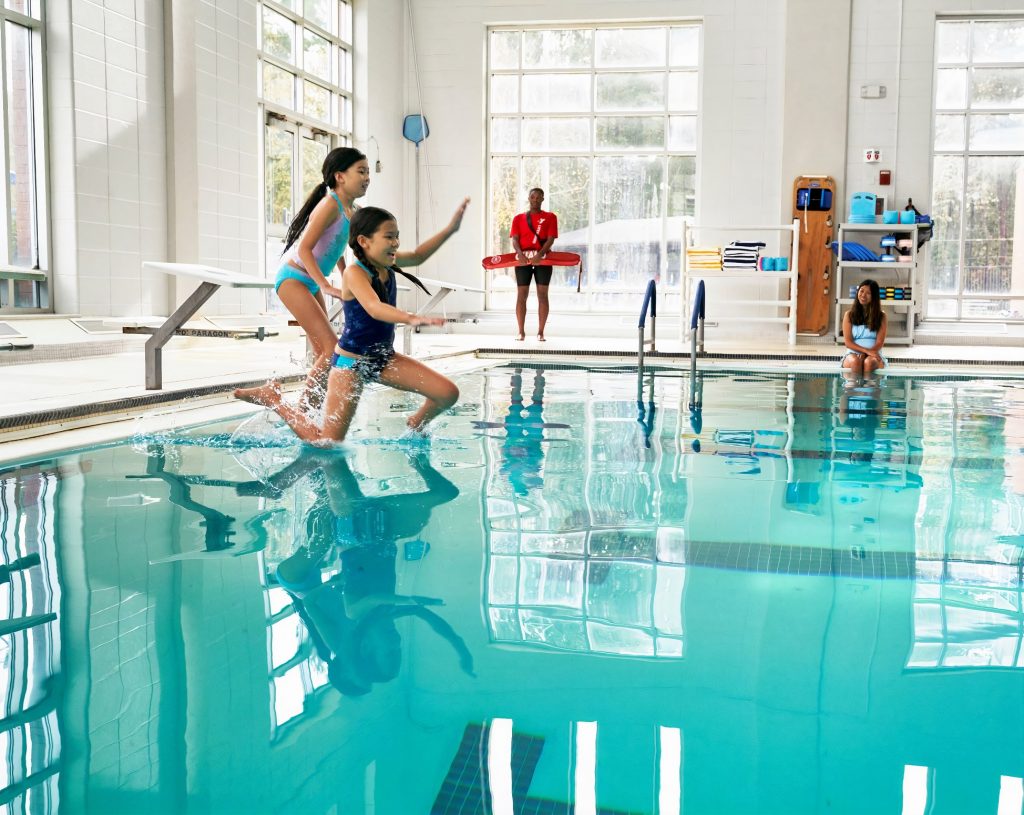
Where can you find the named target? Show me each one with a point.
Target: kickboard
(814, 290)
(553, 259)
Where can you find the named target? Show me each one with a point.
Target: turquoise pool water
(805, 596)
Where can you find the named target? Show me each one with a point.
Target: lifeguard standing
(532, 234)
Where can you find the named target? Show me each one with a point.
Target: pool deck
(78, 380)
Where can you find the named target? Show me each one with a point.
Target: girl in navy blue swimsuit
(365, 352)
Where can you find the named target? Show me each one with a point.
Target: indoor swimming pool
(582, 595)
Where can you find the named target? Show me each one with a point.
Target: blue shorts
(289, 272)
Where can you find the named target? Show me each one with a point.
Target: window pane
(313, 154)
(504, 94)
(558, 48)
(279, 151)
(504, 202)
(505, 135)
(682, 185)
(316, 101)
(556, 93)
(997, 87)
(345, 22)
(684, 46)
(949, 132)
(682, 133)
(997, 132)
(558, 135)
(345, 69)
(998, 41)
(628, 227)
(947, 194)
(344, 114)
(319, 13)
(682, 90)
(951, 88)
(630, 91)
(988, 308)
(505, 49)
(24, 6)
(316, 55)
(278, 35)
(942, 308)
(278, 85)
(630, 47)
(23, 238)
(629, 132)
(989, 216)
(951, 41)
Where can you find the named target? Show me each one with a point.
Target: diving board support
(444, 288)
(155, 344)
(211, 279)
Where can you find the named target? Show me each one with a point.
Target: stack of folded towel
(742, 255)
(704, 259)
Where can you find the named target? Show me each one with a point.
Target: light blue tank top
(331, 245)
(864, 336)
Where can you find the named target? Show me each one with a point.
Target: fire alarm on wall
(884, 177)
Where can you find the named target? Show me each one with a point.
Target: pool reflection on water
(805, 595)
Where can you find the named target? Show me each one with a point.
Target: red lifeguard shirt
(545, 223)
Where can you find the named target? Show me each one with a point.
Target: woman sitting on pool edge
(365, 350)
(864, 327)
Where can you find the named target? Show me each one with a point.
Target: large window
(604, 119)
(305, 88)
(22, 229)
(977, 267)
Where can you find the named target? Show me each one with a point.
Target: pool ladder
(696, 339)
(650, 304)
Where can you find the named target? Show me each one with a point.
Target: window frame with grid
(24, 273)
(945, 157)
(673, 125)
(293, 140)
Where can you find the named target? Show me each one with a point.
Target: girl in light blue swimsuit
(864, 328)
(314, 245)
(365, 352)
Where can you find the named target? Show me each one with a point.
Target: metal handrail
(696, 336)
(650, 304)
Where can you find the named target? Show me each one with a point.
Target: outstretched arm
(432, 244)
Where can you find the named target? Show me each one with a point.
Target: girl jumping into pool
(319, 234)
(864, 327)
(364, 352)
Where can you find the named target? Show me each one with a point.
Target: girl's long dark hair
(365, 222)
(337, 161)
(871, 314)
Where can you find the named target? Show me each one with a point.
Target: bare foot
(540, 338)
(520, 338)
(268, 395)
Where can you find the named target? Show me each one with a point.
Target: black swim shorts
(541, 273)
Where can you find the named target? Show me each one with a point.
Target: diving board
(444, 288)
(210, 280)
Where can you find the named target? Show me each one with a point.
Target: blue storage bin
(862, 208)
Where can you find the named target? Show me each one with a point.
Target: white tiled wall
(118, 213)
(226, 146)
(109, 118)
